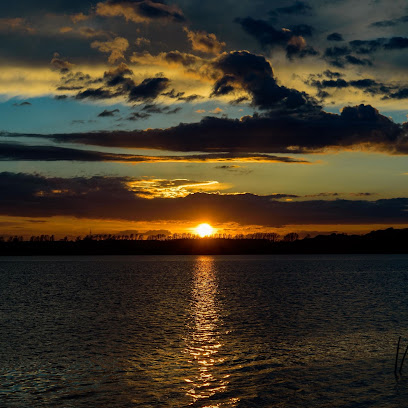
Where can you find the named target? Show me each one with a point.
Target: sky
(156, 115)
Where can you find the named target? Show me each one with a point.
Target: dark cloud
(331, 83)
(15, 151)
(268, 36)
(396, 43)
(362, 194)
(389, 23)
(25, 103)
(371, 46)
(320, 195)
(334, 52)
(304, 30)
(297, 49)
(335, 37)
(140, 10)
(113, 198)
(313, 131)
(358, 61)
(190, 98)
(239, 100)
(117, 82)
(96, 93)
(76, 80)
(253, 73)
(332, 74)
(69, 88)
(149, 88)
(134, 116)
(398, 94)
(173, 94)
(151, 108)
(367, 85)
(298, 8)
(108, 113)
(187, 60)
(341, 56)
(366, 46)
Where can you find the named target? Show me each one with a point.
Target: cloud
(140, 11)
(217, 111)
(268, 36)
(367, 85)
(389, 23)
(134, 116)
(15, 151)
(341, 56)
(79, 17)
(116, 82)
(61, 64)
(64, 30)
(167, 110)
(358, 127)
(372, 46)
(142, 41)
(25, 103)
(116, 198)
(161, 188)
(335, 37)
(115, 48)
(149, 88)
(95, 93)
(107, 113)
(396, 43)
(89, 32)
(253, 74)
(204, 42)
(16, 24)
(304, 30)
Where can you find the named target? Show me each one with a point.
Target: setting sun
(203, 230)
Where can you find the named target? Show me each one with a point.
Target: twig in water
(403, 358)
(396, 357)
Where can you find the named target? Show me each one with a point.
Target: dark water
(205, 331)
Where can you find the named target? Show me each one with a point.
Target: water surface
(203, 331)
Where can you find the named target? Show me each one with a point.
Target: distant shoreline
(390, 241)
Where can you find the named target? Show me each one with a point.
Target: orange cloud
(116, 48)
(76, 18)
(204, 42)
(61, 64)
(65, 30)
(161, 188)
(142, 11)
(15, 24)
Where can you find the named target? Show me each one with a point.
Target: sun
(203, 230)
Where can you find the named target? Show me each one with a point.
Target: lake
(203, 331)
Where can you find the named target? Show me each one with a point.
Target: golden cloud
(116, 48)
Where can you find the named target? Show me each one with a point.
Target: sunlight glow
(203, 230)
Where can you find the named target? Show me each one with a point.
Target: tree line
(268, 236)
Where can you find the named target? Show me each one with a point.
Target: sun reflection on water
(204, 343)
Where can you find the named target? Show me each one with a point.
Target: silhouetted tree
(291, 237)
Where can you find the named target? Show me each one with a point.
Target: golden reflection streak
(205, 342)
